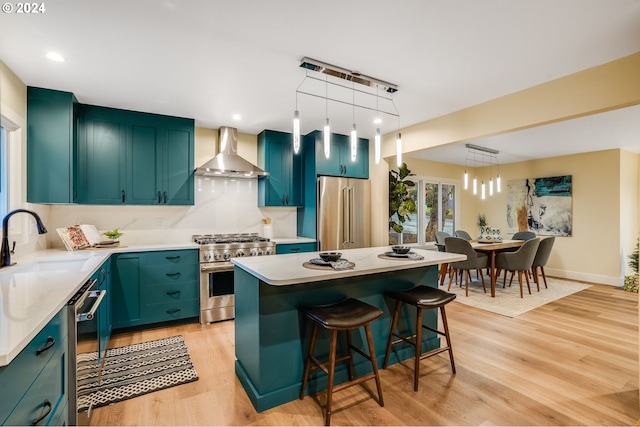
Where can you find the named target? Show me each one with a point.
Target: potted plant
(401, 205)
(485, 230)
(631, 281)
(113, 234)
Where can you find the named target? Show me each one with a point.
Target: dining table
(490, 248)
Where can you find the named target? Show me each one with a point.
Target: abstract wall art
(541, 205)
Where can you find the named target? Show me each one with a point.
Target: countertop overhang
(287, 269)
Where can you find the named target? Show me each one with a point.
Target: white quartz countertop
(287, 269)
(34, 290)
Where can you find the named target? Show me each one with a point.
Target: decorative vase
(495, 235)
(631, 283)
(485, 234)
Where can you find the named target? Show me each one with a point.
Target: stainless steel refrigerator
(344, 213)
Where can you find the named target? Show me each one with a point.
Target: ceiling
(210, 59)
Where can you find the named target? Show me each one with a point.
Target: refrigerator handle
(352, 216)
(346, 223)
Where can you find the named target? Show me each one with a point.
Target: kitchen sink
(40, 266)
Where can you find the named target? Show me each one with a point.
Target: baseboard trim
(585, 277)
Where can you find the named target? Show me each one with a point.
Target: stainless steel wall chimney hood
(228, 163)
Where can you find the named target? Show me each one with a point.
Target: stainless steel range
(216, 270)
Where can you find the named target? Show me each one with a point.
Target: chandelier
(486, 158)
(355, 78)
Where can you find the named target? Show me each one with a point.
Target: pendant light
(296, 131)
(399, 149)
(491, 186)
(354, 131)
(466, 180)
(486, 158)
(326, 133)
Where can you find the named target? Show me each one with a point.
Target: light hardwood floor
(571, 362)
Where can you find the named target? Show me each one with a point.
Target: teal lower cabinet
(34, 385)
(153, 287)
(292, 248)
(271, 336)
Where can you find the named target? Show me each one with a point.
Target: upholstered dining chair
(524, 235)
(541, 259)
(463, 235)
(440, 236)
(519, 261)
(474, 261)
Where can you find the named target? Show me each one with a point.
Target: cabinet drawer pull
(173, 293)
(173, 311)
(174, 257)
(294, 249)
(46, 406)
(50, 343)
(123, 198)
(159, 197)
(173, 275)
(165, 197)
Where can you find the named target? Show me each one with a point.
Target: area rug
(133, 370)
(507, 301)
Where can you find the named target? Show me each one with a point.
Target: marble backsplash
(222, 205)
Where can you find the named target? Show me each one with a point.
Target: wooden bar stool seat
(343, 316)
(422, 297)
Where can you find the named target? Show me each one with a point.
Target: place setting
(401, 253)
(329, 261)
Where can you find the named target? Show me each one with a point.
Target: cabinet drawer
(45, 397)
(174, 310)
(21, 372)
(291, 248)
(175, 274)
(171, 292)
(187, 256)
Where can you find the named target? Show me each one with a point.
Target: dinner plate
(320, 261)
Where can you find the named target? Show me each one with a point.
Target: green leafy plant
(633, 259)
(113, 234)
(482, 220)
(400, 202)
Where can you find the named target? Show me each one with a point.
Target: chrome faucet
(5, 254)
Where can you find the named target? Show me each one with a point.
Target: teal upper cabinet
(126, 157)
(339, 162)
(283, 186)
(50, 146)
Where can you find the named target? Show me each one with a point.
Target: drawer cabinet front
(21, 372)
(291, 248)
(171, 292)
(185, 256)
(45, 397)
(175, 274)
(174, 310)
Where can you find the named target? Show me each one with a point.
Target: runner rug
(133, 370)
(507, 301)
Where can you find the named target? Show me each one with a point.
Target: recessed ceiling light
(236, 117)
(55, 56)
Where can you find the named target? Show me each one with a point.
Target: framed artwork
(541, 205)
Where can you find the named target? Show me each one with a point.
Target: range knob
(260, 252)
(240, 253)
(216, 256)
(267, 251)
(226, 255)
(254, 252)
(207, 256)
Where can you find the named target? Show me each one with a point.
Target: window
(436, 211)
(3, 173)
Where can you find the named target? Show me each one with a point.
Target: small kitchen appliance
(216, 270)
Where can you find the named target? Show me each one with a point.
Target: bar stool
(343, 316)
(422, 297)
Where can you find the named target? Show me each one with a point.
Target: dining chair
(541, 259)
(463, 235)
(524, 235)
(519, 261)
(440, 236)
(474, 261)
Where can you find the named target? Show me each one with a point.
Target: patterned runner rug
(507, 301)
(133, 370)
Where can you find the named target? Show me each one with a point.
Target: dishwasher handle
(98, 295)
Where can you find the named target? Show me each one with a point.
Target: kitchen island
(271, 336)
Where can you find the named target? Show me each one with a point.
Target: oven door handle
(98, 295)
(220, 266)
